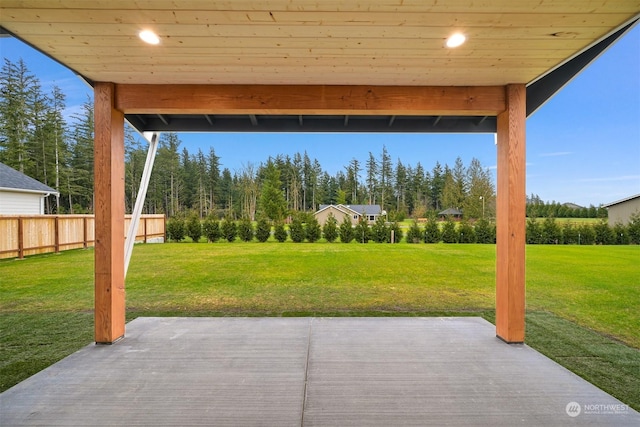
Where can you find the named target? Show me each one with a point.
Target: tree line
(305, 227)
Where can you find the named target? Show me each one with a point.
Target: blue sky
(583, 146)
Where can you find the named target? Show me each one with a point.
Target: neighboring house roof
(12, 180)
(450, 211)
(621, 201)
(359, 209)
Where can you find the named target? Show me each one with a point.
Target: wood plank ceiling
(353, 42)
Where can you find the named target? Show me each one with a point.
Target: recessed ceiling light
(149, 36)
(456, 40)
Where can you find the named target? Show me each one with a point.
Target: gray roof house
(621, 210)
(352, 212)
(21, 194)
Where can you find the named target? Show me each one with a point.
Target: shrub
(603, 233)
(534, 232)
(330, 229)
(586, 235)
(279, 232)
(175, 228)
(569, 234)
(620, 234)
(550, 232)
(432, 232)
(362, 232)
(245, 230)
(414, 234)
(229, 230)
(194, 227)
(296, 230)
(449, 233)
(263, 230)
(314, 232)
(346, 231)
(380, 233)
(466, 233)
(211, 228)
(633, 228)
(396, 231)
(485, 232)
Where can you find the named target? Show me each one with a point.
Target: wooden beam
(510, 216)
(109, 216)
(309, 100)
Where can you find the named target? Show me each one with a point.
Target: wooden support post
(510, 216)
(109, 216)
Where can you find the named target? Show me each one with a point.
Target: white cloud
(556, 154)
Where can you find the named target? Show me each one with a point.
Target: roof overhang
(352, 43)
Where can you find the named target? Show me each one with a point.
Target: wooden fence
(36, 234)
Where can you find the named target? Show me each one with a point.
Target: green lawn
(582, 300)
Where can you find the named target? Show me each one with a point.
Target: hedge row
(306, 228)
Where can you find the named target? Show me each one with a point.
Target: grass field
(581, 300)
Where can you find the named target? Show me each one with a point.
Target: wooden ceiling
(328, 42)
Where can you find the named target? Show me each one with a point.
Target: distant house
(622, 210)
(20, 194)
(351, 212)
(455, 213)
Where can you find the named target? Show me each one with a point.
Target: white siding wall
(12, 203)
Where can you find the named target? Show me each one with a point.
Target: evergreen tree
(279, 232)
(534, 233)
(569, 234)
(314, 232)
(263, 230)
(432, 232)
(586, 235)
(211, 228)
(485, 232)
(296, 230)
(20, 90)
(466, 232)
(633, 228)
(229, 229)
(362, 232)
(245, 230)
(194, 227)
(603, 233)
(176, 228)
(346, 230)
(620, 234)
(272, 202)
(414, 234)
(449, 233)
(380, 233)
(330, 229)
(551, 232)
(396, 232)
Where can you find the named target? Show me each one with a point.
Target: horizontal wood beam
(310, 100)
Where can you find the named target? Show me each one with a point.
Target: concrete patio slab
(311, 372)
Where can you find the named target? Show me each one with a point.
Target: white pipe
(152, 137)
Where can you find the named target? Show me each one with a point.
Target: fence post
(144, 224)
(56, 230)
(20, 239)
(84, 232)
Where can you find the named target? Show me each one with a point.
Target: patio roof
(399, 43)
